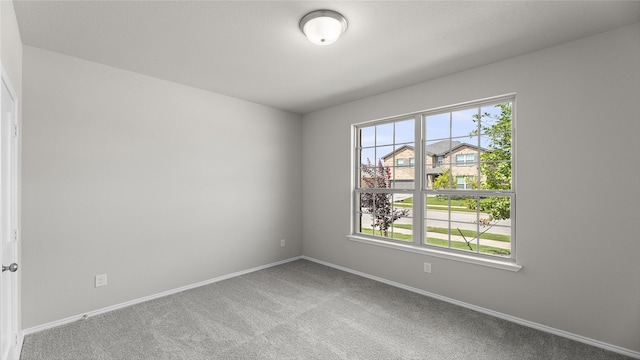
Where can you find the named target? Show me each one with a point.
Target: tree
(379, 205)
(496, 163)
(443, 181)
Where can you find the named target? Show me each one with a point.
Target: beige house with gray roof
(462, 158)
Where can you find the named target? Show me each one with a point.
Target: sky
(380, 140)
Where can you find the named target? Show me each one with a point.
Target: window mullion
(479, 180)
(418, 182)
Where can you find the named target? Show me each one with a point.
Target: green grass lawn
(434, 200)
(435, 203)
(470, 234)
(441, 242)
(467, 233)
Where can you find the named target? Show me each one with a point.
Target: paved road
(458, 238)
(462, 220)
(459, 220)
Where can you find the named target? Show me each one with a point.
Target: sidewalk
(458, 238)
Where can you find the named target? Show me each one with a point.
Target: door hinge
(15, 131)
(15, 235)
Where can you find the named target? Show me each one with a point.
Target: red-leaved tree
(379, 205)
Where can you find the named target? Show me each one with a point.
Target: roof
(439, 148)
(401, 148)
(442, 147)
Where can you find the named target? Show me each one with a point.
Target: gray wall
(156, 184)
(578, 199)
(11, 54)
(11, 46)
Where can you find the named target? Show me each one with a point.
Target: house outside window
(439, 179)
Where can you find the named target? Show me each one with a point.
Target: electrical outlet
(283, 243)
(427, 268)
(101, 280)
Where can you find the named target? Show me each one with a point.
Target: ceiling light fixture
(323, 27)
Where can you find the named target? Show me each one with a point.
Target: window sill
(494, 263)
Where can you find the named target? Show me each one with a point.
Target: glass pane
(496, 146)
(468, 142)
(367, 156)
(375, 177)
(403, 177)
(393, 172)
(365, 207)
(403, 201)
(382, 203)
(384, 134)
(437, 126)
(367, 136)
(490, 111)
(436, 220)
(404, 132)
(402, 230)
(404, 152)
(485, 143)
(495, 175)
(366, 203)
(402, 223)
(466, 152)
(439, 147)
(403, 174)
(386, 215)
(464, 123)
(464, 224)
(495, 225)
(496, 119)
(439, 177)
(385, 155)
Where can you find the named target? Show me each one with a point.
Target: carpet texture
(300, 310)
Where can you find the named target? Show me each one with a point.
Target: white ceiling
(254, 50)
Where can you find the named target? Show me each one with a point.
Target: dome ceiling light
(323, 27)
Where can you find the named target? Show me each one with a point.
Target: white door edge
(17, 336)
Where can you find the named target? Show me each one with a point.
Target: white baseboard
(107, 309)
(18, 349)
(565, 334)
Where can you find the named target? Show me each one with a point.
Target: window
(464, 182)
(378, 194)
(465, 159)
(464, 208)
(405, 162)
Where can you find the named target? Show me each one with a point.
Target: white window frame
(418, 245)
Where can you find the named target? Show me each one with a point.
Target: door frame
(15, 214)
